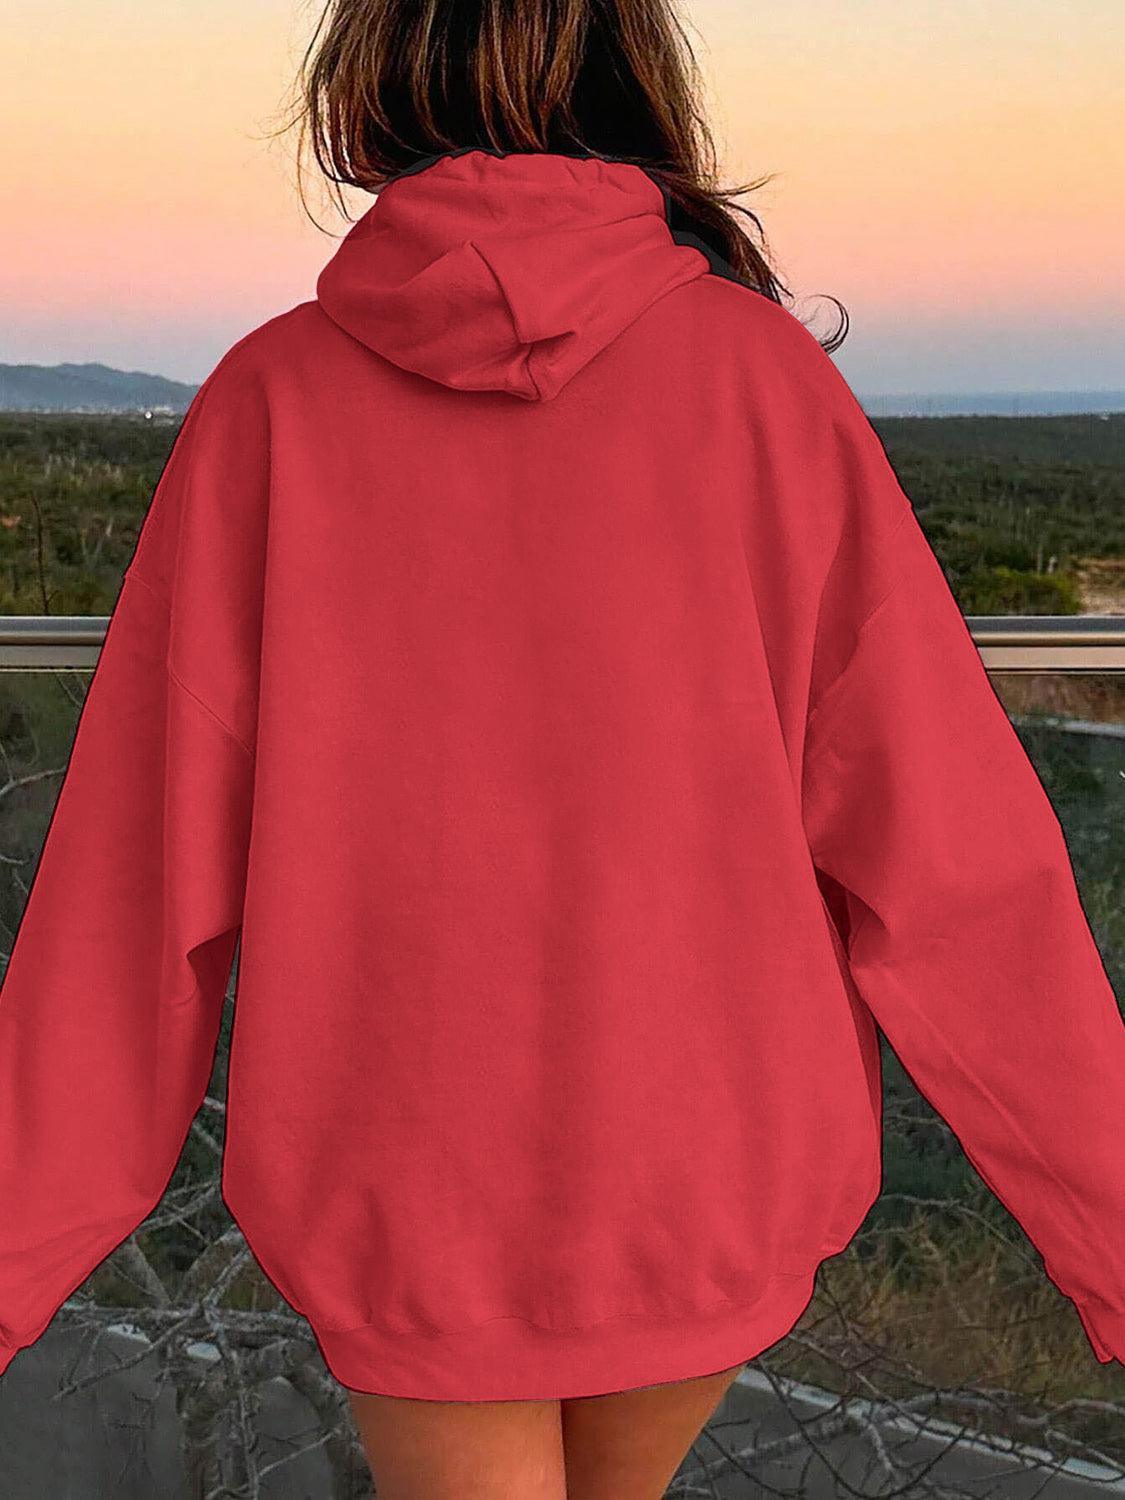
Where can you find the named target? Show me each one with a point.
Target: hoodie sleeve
(965, 934)
(112, 998)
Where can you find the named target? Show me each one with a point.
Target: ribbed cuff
(1105, 1329)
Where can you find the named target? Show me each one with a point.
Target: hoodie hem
(511, 1359)
(1104, 1328)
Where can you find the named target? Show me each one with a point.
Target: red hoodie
(530, 652)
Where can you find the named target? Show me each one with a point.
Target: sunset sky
(953, 173)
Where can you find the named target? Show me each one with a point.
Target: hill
(88, 388)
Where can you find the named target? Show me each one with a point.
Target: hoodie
(531, 662)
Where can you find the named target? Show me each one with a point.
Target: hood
(506, 272)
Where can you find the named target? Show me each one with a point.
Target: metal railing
(1007, 643)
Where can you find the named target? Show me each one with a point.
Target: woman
(530, 652)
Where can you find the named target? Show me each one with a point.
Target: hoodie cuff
(1105, 1329)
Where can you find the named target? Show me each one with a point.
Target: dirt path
(1101, 581)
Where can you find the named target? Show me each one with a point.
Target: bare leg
(628, 1445)
(461, 1450)
(623, 1446)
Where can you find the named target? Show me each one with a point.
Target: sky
(955, 174)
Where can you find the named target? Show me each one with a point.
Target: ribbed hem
(509, 1359)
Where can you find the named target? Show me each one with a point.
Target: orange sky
(953, 173)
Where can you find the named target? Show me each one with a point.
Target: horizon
(1048, 390)
(1008, 401)
(920, 175)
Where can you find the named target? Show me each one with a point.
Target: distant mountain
(995, 404)
(89, 388)
(98, 388)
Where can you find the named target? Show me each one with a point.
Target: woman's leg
(461, 1450)
(629, 1444)
(623, 1446)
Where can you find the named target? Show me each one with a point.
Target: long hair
(384, 84)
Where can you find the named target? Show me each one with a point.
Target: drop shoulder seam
(175, 677)
(830, 691)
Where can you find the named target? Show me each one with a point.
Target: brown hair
(386, 83)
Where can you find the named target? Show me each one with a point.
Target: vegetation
(940, 1281)
(1012, 506)
(73, 493)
